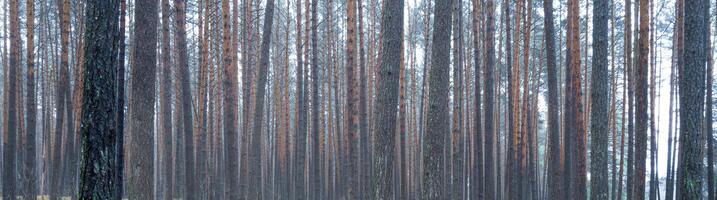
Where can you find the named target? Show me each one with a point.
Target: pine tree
(691, 91)
(98, 172)
(599, 128)
(260, 91)
(30, 167)
(166, 107)
(437, 128)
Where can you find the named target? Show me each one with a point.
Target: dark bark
(554, 148)
(438, 112)
(692, 91)
(13, 127)
(120, 99)
(599, 102)
(98, 168)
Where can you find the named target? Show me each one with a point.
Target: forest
(357, 99)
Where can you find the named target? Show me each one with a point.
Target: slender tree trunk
(180, 39)
(166, 107)
(599, 128)
(456, 186)
(229, 85)
(61, 100)
(260, 91)
(352, 96)
(641, 102)
(554, 159)
(30, 168)
(299, 191)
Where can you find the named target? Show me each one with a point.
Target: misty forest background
(357, 99)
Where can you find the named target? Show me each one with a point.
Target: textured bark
(692, 91)
(142, 99)
(98, 168)
(575, 143)
(260, 91)
(13, 127)
(599, 128)
(166, 107)
(30, 168)
(352, 95)
(438, 112)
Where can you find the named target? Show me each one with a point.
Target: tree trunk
(99, 103)
(61, 100)
(438, 124)
(30, 168)
(641, 102)
(142, 100)
(456, 156)
(13, 127)
(352, 95)
(314, 167)
(260, 91)
(575, 144)
(599, 128)
(299, 179)
(166, 107)
(692, 91)
(554, 163)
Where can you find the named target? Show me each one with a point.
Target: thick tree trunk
(142, 100)
(692, 91)
(13, 127)
(180, 39)
(99, 103)
(438, 111)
